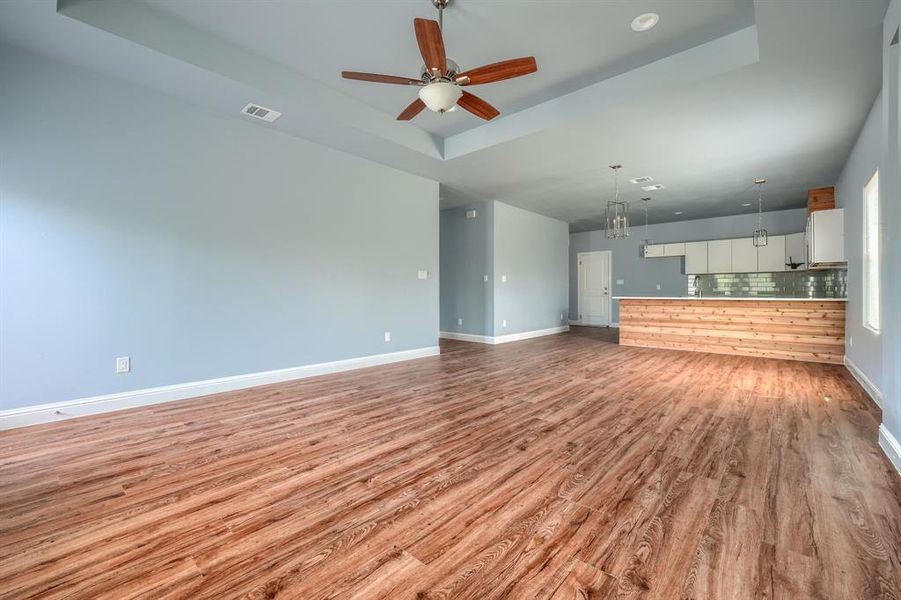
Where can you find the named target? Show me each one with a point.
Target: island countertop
(809, 329)
(739, 298)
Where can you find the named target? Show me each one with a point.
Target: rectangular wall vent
(651, 188)
(645, 179)
(259, 112)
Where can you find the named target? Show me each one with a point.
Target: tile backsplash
(828, 283)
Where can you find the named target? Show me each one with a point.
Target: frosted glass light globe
(440, 96)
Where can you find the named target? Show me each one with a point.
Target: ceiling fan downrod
(441, 5)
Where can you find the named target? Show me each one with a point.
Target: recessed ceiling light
(651, 188)
(746, 204)
(645, 179)
(645, 21)
(678, 212)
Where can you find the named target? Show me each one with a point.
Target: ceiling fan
(441, 81)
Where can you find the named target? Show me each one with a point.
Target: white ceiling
(689, 103)
(575, 42)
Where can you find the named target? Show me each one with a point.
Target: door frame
(608, 255)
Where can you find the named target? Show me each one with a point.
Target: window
(871, 253)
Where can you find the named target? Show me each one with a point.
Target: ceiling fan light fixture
(645, 22)
(440, 96)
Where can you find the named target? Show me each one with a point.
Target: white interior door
(594, 288)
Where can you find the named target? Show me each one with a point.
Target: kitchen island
(807, 329)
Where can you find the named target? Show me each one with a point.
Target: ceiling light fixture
(617, 213)
(645, 21)
(678, 212)
(440, 96)
(647, 238)
(746, 204)
(760, 234)
(651, 188)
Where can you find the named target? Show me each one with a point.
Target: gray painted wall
(531, 251)
(467, 256)
(202, 246)
(641, 276)
(862, 346)
(890, 194)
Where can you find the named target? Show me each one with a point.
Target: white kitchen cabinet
(719, 256)
(653, 251)
(826, 238)
(695, 258)
(772, 256)
(796, 250)
(674, 249)
(744, 256)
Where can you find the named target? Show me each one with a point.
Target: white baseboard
(864, 381)
(890, 446)
(466, 337)
(58, 411)
(525, 335)
(502, 339)
(580, 324)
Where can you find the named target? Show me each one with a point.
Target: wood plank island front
(805, 329)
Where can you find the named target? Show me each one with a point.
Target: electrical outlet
(561, 316)
(387, 336)
(485, 278)
(123, 364)
(658, 286)
(503, 279)
(851, 340)
(620, 281)
(504, 323)
(459, 321)
(422, 274)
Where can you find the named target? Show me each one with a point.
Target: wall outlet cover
(459, 321)
(620, 281)
(504, 323)
(422, 274)
(503, 279)
(123, 364)
(471, 214)
(387, 336)
(485, 278)
(658, 286)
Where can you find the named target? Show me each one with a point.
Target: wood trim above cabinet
(820, 199)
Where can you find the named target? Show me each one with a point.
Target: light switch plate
(485, 278)
(422, 274)
(620, 281)
(387, 336)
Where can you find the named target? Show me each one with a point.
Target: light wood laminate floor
(560, 467)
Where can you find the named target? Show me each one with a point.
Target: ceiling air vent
(651, 188)
(645, 179)
(260, 112)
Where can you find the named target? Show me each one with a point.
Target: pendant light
(617, 212)
(760, 235)
(647, 238)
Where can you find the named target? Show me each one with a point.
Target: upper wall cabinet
(696, 258)
(826, 239)
(653, 251)
(772, 256)
(719, 256)
(744, 256)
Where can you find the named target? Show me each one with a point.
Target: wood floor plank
(559, 467)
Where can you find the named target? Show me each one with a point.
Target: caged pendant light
(647, 241)
(760, 235)
(617, 212)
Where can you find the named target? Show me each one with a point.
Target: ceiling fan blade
(506, 69)
(381, 78)
(477, 106)
(411, 111)
(431, 45)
